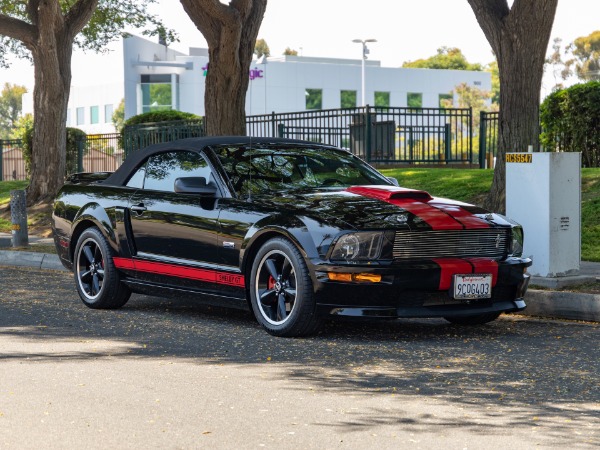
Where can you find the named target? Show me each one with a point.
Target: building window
(446, 100)
(348, 99)
(414, 100)
(108, 113)
(94, 114)
(382, 99)
(80, 116)
(69, 117)
(314, 99)
(156, 93)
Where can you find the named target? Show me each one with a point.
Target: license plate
(472, 286)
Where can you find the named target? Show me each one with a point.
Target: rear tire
(281, 291)
(96, 277)
(478, 319)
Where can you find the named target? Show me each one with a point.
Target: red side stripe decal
(451, 266)
(211, 276)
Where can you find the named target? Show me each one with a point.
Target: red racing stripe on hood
(414, 202)
(439, 216)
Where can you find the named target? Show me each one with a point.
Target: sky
(405, 30)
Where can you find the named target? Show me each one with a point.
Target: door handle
(139, 208)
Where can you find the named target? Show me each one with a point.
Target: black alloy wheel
(96, 276)
(281, 290)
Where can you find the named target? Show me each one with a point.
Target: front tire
(96, 277)
(478, 319)
(281, 291)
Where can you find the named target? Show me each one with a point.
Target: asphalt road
(176, 374)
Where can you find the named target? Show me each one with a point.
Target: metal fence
(488, 138)
(378, 135)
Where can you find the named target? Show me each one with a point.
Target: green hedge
(161, 116)
(73, 136)
(570, 120)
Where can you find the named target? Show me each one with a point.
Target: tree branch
(204, 12)
(18, 29)
(79, 15)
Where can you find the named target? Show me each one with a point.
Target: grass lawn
(469, 185)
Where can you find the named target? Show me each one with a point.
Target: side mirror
(393, 181)
(194, 185)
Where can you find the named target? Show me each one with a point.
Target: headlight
(516, 243)
(359, 247)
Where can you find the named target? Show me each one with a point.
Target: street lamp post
(365, 52)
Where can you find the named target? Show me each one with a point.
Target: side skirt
(156, 290)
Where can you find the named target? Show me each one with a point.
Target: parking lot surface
(162, 373)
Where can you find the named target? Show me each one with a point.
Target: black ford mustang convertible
(295, 230)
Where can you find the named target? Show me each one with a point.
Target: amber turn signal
(360, 277)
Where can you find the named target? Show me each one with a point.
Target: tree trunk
(52, 67)
(231, 33)
(519, 37)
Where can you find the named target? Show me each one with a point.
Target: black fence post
(482, 139)
(368, 134)
(273, 124)
(1, 159)
(448, 142)
(281, 130)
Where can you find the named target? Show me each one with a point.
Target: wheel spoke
(88, 254)
(290, 292)
(100, 273)
(270, 263)
(85, 274)
(95, 284)
(267, 297)
(281, 312)
(286, 269)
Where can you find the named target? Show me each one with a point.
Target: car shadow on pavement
(514, 372)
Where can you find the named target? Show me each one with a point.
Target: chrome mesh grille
(478, 243)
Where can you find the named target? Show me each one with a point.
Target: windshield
(253, 170)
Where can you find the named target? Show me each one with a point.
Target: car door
(175, 234)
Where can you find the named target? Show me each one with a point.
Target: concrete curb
(30, 259)
(563, 305)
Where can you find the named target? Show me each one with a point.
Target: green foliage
(118, 117)
(74, 135)
(168, 125)
(21, 126)
(314, 99)
(446, 58)
(290, 52)
(348, 99)
(161, 116)
(586, 50)
(6, 187)
(495, 94)
(108, 21)
(382, 99)
(261, 48)
(570, 120)
(10, 108)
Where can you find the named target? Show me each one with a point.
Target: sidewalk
(542, 303)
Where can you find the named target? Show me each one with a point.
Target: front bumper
(412, 290)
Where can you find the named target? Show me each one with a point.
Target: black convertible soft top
(121, 175)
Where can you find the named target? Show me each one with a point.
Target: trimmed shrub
(159, 126)
(570, 120)
(73, 136)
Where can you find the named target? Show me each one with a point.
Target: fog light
(358, 277)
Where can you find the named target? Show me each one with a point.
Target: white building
(158, 77)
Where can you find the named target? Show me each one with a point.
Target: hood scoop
(391, 193)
